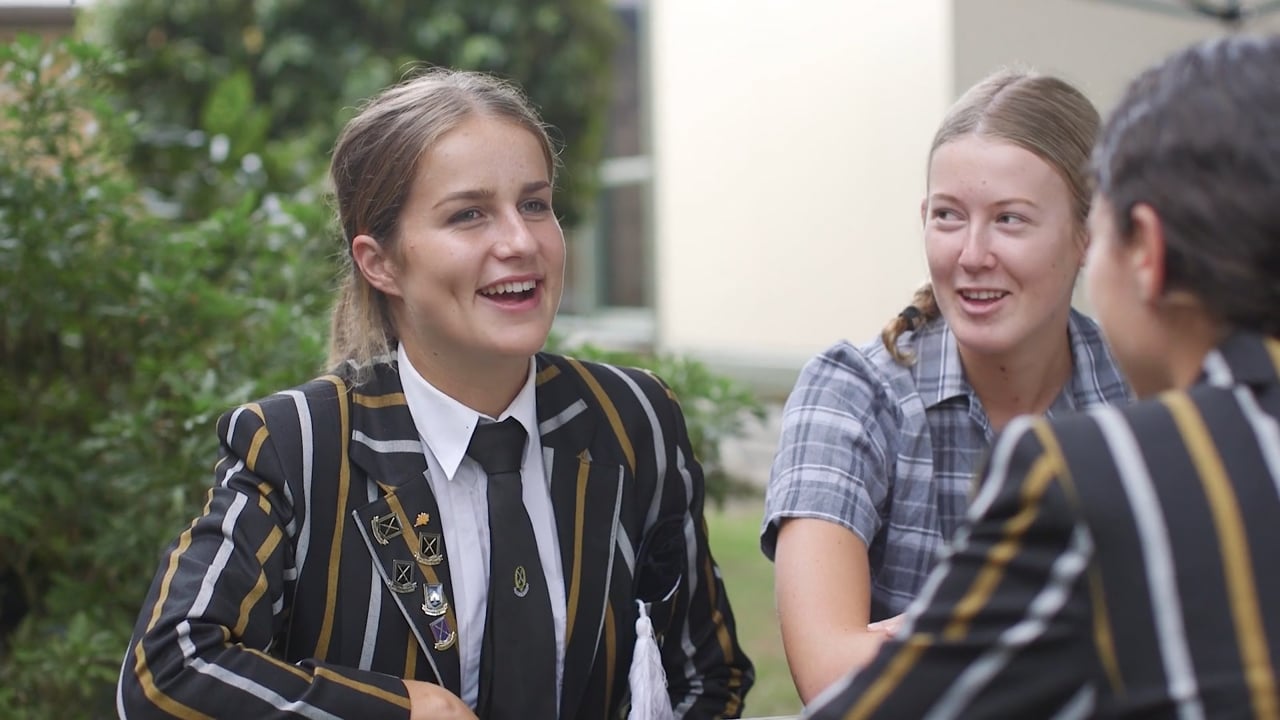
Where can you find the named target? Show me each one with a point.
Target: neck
(1187, 359)
(1183, 335)
(1022, 381)
(487, 385)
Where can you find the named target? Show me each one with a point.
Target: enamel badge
(444, 636)
(433, 602)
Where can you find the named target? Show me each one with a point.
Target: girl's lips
(980, 303)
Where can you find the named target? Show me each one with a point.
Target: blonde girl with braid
(880, 441)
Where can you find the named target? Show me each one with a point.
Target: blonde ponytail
(923, 308)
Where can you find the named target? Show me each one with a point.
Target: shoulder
(1091, 448)
(862, 380)
(603, 380)
(634, 400)
(321, 398)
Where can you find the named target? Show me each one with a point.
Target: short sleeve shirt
(890, 452)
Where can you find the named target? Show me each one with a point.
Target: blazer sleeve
(203, 643)
(1001, 628)
(708, 674)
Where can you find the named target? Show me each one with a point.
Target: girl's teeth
(987, 295)
(511, 287)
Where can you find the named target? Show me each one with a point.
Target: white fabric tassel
(649, 700)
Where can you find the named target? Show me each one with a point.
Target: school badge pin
(386, 527)
(428, 550)
(402, 577)
(444, 636)
(521, 585)
(433, 602)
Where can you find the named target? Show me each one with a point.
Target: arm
(1002, 628)
(831, 478)
(219, 600)
(823, 589)
(708, 675)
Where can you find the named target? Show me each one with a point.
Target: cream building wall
(789, 147)
(790, 139)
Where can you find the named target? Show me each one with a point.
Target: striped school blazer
(1119, 563)
(300, 591)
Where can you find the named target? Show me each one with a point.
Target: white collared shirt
(461, 490)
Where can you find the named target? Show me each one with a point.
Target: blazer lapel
(587, 498)
(402, 530)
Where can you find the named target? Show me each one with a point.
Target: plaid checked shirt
(890, 451)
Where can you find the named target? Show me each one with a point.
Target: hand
(428, 701)
(889, 626)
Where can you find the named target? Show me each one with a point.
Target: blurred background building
(766, 158)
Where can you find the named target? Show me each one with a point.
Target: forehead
(988, 168)
(482, 146)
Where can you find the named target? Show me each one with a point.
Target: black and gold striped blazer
(298, 592)
(1119, 563)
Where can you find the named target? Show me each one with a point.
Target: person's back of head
(1197, 139)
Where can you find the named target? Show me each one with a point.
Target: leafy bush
(273, 81)
(123, 336)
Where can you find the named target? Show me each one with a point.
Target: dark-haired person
(880, 443)
(452, 523)
(1121, 563)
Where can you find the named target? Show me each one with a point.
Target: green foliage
(219, 81)
(715, 407)
(123, 336)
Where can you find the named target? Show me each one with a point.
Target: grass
(748, 577)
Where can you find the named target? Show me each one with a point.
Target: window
(611, 255)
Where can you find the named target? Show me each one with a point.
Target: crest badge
(521, 585)
(433, 602)
(386, 527)
(402, 577)
(428, 552)
(444, 635)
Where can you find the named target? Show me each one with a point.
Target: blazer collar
(1243, 358)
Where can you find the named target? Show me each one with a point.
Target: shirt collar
(445, 425)
(937, 370)
(940, 376)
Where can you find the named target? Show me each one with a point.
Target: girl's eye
(465, 216)
(536, 205)
(944, 215)
(1009, 219)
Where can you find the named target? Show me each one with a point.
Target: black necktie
(518, 657)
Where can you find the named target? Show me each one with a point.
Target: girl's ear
(1146, 252)
(374, 263)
